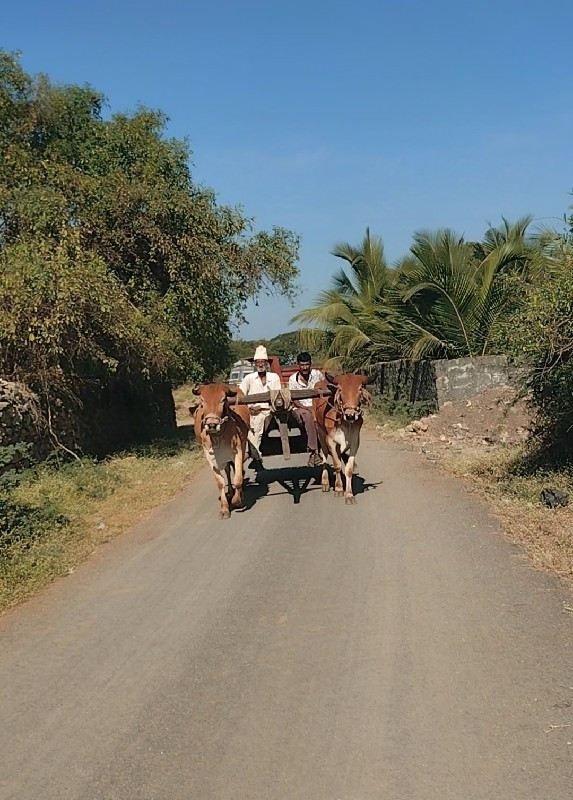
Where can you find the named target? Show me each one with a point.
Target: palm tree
(455, 293)
(354, 317)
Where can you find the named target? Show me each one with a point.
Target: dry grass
(501, 475)
(90, 503)
(498, 466)
(183, 397)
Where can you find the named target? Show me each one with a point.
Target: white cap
(261, 354)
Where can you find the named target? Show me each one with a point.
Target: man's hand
(255, 409)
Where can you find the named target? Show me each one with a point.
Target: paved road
(396, 649)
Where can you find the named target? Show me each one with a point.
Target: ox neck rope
(341, 410)
(220, 421)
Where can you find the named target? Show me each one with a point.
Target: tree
(455, 294)
(448, 298)
(354, 319)
(115, 197)
(539, 337)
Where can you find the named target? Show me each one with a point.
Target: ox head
(350, 395)
(214, 401)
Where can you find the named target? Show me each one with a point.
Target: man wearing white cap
(257, 382)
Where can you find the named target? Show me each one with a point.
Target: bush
(22, 523)
(400, 411)
(542, 339)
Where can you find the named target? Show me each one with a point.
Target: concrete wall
(461, 378)
(436, 382)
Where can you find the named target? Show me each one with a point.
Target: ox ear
(331, 378)
(366, 397)
(230, 391)
(196, 390)
(368, 379)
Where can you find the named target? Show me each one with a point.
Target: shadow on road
(183, 438)
(295, 481)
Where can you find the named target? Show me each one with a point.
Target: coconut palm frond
(355, 310)
(447, 298)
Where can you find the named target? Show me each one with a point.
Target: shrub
(541, 337)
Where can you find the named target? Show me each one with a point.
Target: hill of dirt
(497, 416)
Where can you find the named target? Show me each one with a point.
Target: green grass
(55, 515)
(397, 413)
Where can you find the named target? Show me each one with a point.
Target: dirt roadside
(484, 441)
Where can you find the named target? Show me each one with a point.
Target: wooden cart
(282, 410)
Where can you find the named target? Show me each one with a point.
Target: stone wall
(435, 382)
(409, 381)
(95, 419)
(21, 420)
(461, 378)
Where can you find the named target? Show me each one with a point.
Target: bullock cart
(283, 415)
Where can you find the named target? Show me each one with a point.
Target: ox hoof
(350, 500)
(339, 493)
(224, 514)
(325, 488)
(237, 500)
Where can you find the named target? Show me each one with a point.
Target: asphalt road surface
(302, 650)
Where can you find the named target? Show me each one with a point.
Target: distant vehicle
(245, 366)
(239, 370)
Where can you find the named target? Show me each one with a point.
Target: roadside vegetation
(446, 299)
(112, 258)
(118, 274)
(510, 293)
(507, 479)
(286, 346)
(54, 515)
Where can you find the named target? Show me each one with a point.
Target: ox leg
(324, 480)
(351, 466)
(337, 464)
(348, 472)
(237, 499)
(225, 512)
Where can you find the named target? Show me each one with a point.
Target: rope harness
(346, 411)
(213, 423)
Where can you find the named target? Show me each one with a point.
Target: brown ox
(222, 430)
(338, 421)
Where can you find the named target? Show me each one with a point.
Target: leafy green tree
(448, 298)
(286, 346)
(110, 206)
(353, 320)
(455, 294)
(542, 342)
(539, 337)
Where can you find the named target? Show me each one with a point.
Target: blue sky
(326, 117)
